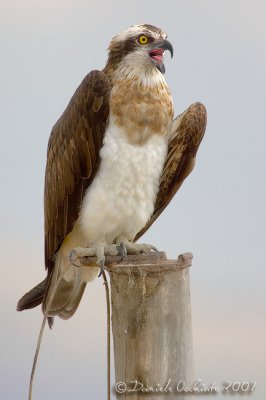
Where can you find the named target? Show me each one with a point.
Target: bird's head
(140, 47)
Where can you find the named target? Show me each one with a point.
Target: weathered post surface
(151, 323)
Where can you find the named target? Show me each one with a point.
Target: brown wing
(188, 131)
(73, 158)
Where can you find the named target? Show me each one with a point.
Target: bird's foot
(99, 251)
(136, 248)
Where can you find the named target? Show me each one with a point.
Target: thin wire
(107, 293)
(41, 333)
(108, 335)
(36, 356)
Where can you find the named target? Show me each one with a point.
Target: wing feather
(188, 130)
(73, 158)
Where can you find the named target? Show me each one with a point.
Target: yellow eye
(143, 39)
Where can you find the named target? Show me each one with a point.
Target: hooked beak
(156, 54)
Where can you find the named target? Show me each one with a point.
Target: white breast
(121, 198)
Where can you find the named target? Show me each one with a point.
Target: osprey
(115, 159)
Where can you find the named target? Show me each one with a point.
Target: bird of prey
(115, 159)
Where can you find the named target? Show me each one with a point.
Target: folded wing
(72, 162)
(187, 133)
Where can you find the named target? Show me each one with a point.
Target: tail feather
(65, 299)
(74, 301)
(33, 298)
(66, 282)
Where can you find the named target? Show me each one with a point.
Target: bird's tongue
(157, 55)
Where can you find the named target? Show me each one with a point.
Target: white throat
(136, 67)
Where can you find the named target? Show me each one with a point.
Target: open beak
(157, 52)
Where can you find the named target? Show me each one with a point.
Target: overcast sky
(47, 47)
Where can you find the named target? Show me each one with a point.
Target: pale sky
(47, 47)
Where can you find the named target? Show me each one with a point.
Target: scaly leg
(100, 251)
(122, 248)
(134, 248)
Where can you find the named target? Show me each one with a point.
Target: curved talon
(101, 266)
(75, 265)
(73, 257)
(122, 250)
(149, 249)
(154, 249)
